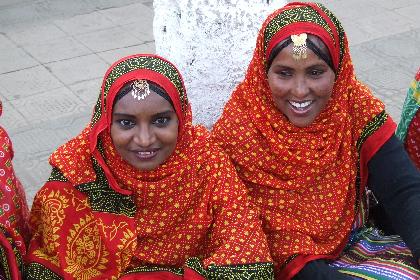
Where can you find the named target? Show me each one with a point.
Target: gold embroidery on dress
(52, 211)
(86, 254)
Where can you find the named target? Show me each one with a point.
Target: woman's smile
(301, 107)
(146, 155)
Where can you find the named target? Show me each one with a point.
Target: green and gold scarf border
(409, 110)
(152, 63)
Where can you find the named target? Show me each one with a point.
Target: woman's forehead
(152, 104)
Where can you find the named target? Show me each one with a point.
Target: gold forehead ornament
(299, 46)
(140, 89)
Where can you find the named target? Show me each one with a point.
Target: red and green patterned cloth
(409, 127)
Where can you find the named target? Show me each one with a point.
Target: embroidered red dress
(97, 217)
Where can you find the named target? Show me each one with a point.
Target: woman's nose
(144, 136)
(301, 88)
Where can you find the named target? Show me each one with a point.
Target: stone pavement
(53, 54)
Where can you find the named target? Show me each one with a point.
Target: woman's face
(300, 88)
(144, 132)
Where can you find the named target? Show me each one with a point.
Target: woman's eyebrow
(122, 115)
(164, 113)
(281, 66)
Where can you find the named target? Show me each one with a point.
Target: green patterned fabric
(258, 271)
(57, 176)
(370, 128)
(103, 198)
(36, 271)
(410, 107)
(4, 263)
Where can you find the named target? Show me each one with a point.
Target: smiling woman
(141, 193)
(314, 147)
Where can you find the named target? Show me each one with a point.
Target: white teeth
(300, 104)
(145, 153)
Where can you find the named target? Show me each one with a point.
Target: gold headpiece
(299, 46)
(140, 89)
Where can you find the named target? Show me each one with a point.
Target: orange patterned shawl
(306, 181)
(99, 218)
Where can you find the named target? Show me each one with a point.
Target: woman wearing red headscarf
(14, 213)
(141, 194)
(308, 138)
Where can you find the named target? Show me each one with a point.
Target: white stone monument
(211, 42)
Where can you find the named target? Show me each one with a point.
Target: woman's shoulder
(72, 161)
(76, 146)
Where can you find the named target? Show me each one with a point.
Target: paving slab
(34, 34)
(78, 69)
(13, 119)
(58, 103)
(87, 91)
(27, 82)
(113, 55)
(139, 31)
(57, 49)
(85, 23)
(392, 5)
(411, 12)
(14, 59)
(18, 13)
(108, 39)
(136, 13)
(6, 43)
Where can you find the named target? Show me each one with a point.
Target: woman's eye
(284, 73)
(125, 123)
(316, 72)
(161, 121)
